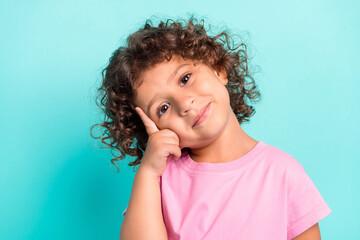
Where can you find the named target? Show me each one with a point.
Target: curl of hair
(151, 45)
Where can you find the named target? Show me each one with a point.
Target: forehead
(164, 69)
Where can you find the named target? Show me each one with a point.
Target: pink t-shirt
(265, 194)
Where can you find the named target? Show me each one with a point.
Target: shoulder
(282, 160)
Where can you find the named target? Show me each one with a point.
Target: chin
(201, 143)
(207, 135)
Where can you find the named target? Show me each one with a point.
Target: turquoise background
(56, 182)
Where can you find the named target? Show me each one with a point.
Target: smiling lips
(202, 115)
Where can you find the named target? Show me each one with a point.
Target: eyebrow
(170, 77)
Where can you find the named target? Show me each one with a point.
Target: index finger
(149, 124)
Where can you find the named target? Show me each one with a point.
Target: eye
(162, 109)
(184, 79)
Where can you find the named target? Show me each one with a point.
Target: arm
(143, 218)
(313, 233)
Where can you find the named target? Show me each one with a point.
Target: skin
(313, 233)
(209, 141)
(179, 98)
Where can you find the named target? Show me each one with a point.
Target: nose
(184, 103)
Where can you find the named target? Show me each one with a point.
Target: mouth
(202, 115)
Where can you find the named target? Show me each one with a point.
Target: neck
(233, 137)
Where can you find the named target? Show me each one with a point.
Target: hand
(161, 146)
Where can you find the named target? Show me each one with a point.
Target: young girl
(175, 98)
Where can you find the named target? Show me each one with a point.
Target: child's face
(174, 100)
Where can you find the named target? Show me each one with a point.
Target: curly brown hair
(151, 45)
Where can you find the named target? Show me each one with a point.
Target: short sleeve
(306, 206)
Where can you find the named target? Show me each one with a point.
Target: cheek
(210, 85)
(179, 129)
(173, 125)
(218, 91)
(204, 86)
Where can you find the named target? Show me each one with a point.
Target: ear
(221, 74)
